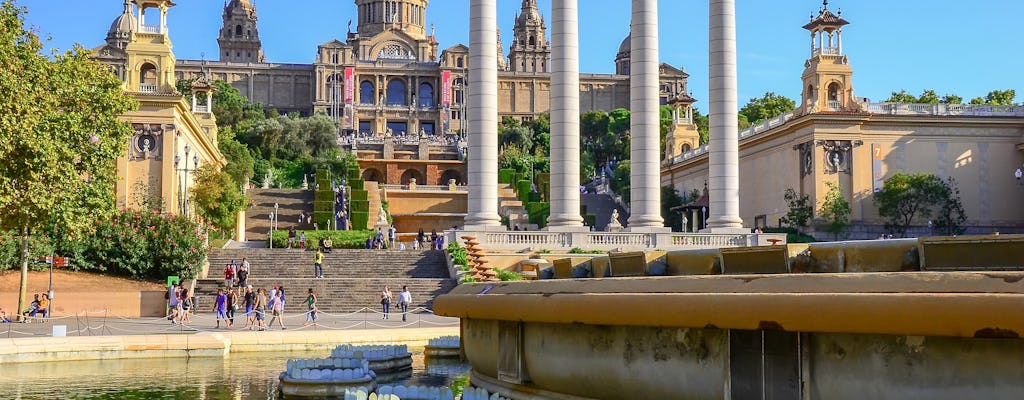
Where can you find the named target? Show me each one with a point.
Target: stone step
(344, 295)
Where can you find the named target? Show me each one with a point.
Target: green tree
(240, 164)
(521, 136)
(997, 97)
(216, 198)
(928, 96)
(906, 197)
(800, 209)
(952, 99)
(594, 126)
(671, 198)
(951, 216)
(619, 120)
(901, 97)
(766, 107)
(702, 123)
(620, 182)
(836, 210)
(59, 135)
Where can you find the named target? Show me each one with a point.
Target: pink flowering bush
(138, 244)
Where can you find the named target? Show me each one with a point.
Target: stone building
(834, 136)
(172, 137)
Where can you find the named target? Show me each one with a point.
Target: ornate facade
(391, 73)
(171, 136)
(835, 137)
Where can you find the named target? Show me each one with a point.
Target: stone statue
(614, 225)
(382, 217)
(266, 181)
(305, 182)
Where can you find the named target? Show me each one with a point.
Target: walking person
(232, 306)
(185, 306)
(172, 303)
(311, 308)
(276, 304)
(291, 236)
(243, 274)
(433, 238)
(318, 264)
(392, 232)
(420, 238)
(302, 240)
(259, 308)
(404, 299)
(249, 301)
(229, 275)
(220, 307)
(385, 301)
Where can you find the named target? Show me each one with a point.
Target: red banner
(446, 88)
(350, 85)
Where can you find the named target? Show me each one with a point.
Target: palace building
(171, 137)
(834, 136)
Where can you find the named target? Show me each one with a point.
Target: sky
(950, 46)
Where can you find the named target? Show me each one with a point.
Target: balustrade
(147, 88)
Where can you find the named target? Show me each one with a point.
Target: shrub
(505, 275)
(458, 254)
(577, 250)
(354, 239)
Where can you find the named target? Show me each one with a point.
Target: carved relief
(146, 139)
(806, 150)
(838, 154)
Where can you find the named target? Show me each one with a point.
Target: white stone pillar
(723, 157)
(483, 117)
(645, 130)
(565, 117)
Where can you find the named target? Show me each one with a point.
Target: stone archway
(373, 175)
(410, 174)
(449, 175)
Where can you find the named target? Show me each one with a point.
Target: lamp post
(186, 170)
(271, 239)
(276, 223)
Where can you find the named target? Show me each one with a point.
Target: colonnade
(645, 157)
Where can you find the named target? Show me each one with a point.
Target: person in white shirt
(404, 299)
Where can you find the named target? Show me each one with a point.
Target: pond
(238, 376)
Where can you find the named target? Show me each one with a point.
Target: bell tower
(683, 136)
(150, 64)
(530, 51)
(239, 39)
(827, 77)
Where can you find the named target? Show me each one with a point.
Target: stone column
(565, 117)
(483, 117)
(723, 157)
(645, 191)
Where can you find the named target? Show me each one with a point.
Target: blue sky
(967, 48)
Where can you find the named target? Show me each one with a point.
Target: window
(459, 63)
(426, 95)
(396, 92)
(394, 52)
(366, 91)
(686, 147)
(398, 128)
(364, 127)
(238, 30)
(334, 83)
(428, 128)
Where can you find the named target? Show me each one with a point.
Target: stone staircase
(352, 279)
(373, 196)
(601, 206)
(510, 206)
(291, 203)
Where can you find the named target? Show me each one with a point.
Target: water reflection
(240, 376)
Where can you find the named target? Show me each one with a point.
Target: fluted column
(723, 157)
(565, 117)
(645, 190)
(483, 117)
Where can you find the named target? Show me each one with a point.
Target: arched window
(396, 92)
(459, 63)
(833, 91)
(147, 78)
(238, 30)
(686, 147)
(366, 93)
(426, 95)
(533, 40)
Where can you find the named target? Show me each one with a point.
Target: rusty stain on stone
(770, 326)
(996, 333)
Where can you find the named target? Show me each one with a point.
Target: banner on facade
(876, 167)
(446, 88)
(350, 85)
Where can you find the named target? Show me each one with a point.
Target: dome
(244, 3)
(121, 28)
(625, 47)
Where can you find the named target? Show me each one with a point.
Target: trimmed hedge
(523, 190)
(356, 184)
(359, 205)
(505, 176)
(360, 219)
(324, 195)
(360, 195)
(534, 197)
(538, 213)
(354, 239)
(590, 220)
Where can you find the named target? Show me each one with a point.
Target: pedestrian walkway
(97, 323)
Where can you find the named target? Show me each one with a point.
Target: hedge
(523, 190)
(354, 239)
(356, 184)
(360, 219)
(322, 195)
(505, 176)
(360, 195)
(538, 212)
(359, 205)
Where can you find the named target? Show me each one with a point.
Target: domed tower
(827, 76)
(622, 57)
(239, 38)
(377, 16)
(121, 29)
(530, 51)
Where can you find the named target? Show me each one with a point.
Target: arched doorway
(410, 174)
(449, 175)
(373, 175)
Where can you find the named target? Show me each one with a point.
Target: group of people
(380, 240)
(259, 305)
(404, 299)
(40, 306)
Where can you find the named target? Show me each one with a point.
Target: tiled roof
(826, 18)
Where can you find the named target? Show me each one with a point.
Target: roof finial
(825, 3)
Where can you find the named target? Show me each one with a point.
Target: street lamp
(271, 231)
(186, 170)
(276, 223)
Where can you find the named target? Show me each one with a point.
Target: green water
(240, 376)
